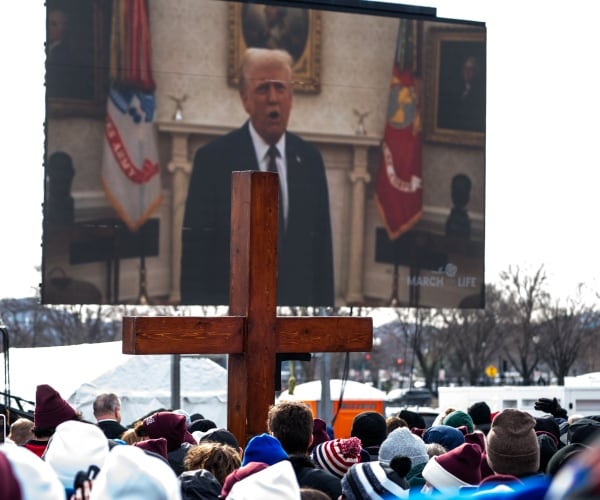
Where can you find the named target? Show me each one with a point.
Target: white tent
(356, 391)
(80, 372)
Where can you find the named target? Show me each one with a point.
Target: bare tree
(473, 336)
(31, 324)
(427, 340)
(566, 332)
(525, 298)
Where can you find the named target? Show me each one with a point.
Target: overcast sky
(542, 161)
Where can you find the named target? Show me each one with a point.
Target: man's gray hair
(107, 402)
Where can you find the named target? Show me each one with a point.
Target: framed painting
(77, 38)
(273, 26)
(455, 104)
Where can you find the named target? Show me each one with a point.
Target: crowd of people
(170, 454)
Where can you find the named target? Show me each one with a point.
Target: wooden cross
(252, 334)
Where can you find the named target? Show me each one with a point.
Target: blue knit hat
(264, 448)
(449, 437)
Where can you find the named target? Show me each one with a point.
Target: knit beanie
(583, 431)
(171, 426)
(158, 446)
(199, 484)
(512, 444)
(375, 481)
(220, 435)
(337, 455)
(402, 442)
(75, 446)
(563, 456)
(35, 477)
(50, 408)
(202, 425)
(9, 486)
(548, 424)
(370, 428)
(458, 418)
(548, 446)
(264, 448)
(449, 437)
(319, 433)
(480, 413)
(456, 468)
(275, 482)
(130, 473)
(239, 474)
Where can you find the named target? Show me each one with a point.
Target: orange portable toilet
(356, 398)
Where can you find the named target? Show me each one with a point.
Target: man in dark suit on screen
(305, 260)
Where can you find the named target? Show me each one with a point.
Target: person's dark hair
(291, 422)
(413, 419)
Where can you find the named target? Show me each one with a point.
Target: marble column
(359, 177)
(181, 168)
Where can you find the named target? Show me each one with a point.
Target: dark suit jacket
(111, 428)
(305, 259)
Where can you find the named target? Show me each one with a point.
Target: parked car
(409, 397)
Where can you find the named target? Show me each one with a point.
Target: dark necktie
(272, 154)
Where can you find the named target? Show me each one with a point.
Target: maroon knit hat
(50, 408)
(456, 468)
(239, 474)
(319, 433)
(9, 486)
(169, 425)
(158, 446)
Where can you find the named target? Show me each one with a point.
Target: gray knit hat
(402, 442)
(512, 445)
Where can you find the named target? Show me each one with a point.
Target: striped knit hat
(374, 481)
(337, 455)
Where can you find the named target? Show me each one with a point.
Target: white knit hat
(276, 482)
(75, 446)
(35, 477)
(131, 474)
(402, 442)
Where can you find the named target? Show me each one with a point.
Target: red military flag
(399, 187)
(130, 169)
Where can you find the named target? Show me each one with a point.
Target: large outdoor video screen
(380, 136)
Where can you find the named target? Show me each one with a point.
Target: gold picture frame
(76, 65)
(456, 87)
(294, 29)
